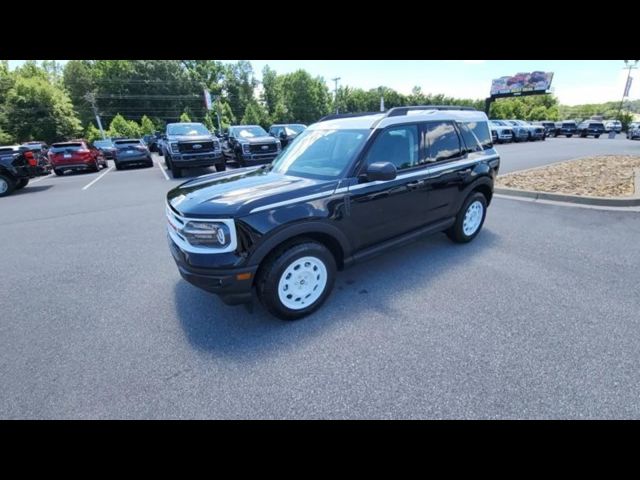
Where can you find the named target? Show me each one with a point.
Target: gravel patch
(598, 176)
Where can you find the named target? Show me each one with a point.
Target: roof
(400, 115)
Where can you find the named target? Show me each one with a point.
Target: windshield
(127, 143)
(496, 123)
(103, 143)
(323, 154)
(249, 132)
(294, 129)
(187, 129)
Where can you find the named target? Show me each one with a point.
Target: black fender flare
(483, 181)
(297, 229)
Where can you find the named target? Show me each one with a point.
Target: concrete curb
(561, 197)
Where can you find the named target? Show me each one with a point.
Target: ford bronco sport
(347, 188)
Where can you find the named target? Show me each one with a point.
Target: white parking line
(96, 179)
(162, 170)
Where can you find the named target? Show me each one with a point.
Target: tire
(317, 267)
(160, 152)
(58, 172)
(7, 186)
(570, 135)
(220, 167)
(21, 183)
(596, 136)
(240, 160)
(96, 167)
(118, 166)
(461, 233)
(175, 171)
(150, 164)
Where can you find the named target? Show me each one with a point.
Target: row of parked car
(504, 131)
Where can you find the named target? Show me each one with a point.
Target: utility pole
(629, 66)
(91, 98)
(218, 114)
(335, 92)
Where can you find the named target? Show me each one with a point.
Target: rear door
(446, 155)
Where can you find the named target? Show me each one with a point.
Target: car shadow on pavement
(31, 189)
(233, 331)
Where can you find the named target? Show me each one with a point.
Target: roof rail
(398, 111)
(347, 115)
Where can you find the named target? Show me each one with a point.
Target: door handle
(415, 184)
(464, 173)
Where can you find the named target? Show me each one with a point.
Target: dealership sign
(522, 83)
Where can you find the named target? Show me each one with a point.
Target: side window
(398, 145)
(443, 141)
(476, 136)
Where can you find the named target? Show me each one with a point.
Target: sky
(574, 81)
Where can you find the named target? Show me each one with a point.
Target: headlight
(174, 148)
(207, 234)
(245, 148)
(279, 145)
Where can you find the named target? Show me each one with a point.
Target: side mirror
(283, 135)
(381, 171)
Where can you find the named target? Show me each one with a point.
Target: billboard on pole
(522, 83)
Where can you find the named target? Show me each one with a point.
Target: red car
(76, 155)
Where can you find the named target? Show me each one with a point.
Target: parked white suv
(614, 125)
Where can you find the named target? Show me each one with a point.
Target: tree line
(49, 102)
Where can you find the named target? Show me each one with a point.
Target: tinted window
(59, 147)
(398, 145)
(476, 136)
(443, 141)
(187, 129)
(248, 132)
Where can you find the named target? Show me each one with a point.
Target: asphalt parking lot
(537, 318)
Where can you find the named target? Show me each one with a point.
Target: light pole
(629, 66)
(335, 92)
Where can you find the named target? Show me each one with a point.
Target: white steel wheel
(472, 218)
(4, 185)
(302, 282)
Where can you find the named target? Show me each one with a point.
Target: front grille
(259, 148)
(189, 147)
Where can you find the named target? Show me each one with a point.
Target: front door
(381, 210)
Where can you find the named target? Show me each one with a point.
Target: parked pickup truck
(17, 166)
(190, 145)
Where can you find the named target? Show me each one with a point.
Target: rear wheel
(58, 172)
(597, 136)
(96, 167)
(296, 279)
(6, 186)
(470, 219)
(570, 135)
(220, 167)
(22, 183)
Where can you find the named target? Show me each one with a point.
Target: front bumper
(207, 159)
(224, 283)
(259, 157)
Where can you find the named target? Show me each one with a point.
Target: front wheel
(469, 220)
(220, 167)
(597, 136)
(296, 279)
(177, 172)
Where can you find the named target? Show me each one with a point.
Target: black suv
(346, 189)
(568, 129)
(590, 128)
(18, 165)
(190, 145)
(286, 132)
(250, 145)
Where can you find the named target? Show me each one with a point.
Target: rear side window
(476, 136)
(398, 145)
(442, 141)
(62, 147)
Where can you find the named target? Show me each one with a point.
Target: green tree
(121, 127)
(5, 138)
(92, 133)
(146, 126)
(184, 117)
(256, 114)
(306, 98)
(36, 110)
(239, 84)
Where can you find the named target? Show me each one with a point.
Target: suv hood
(265, 139)
(190, 138)
(236, 193)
